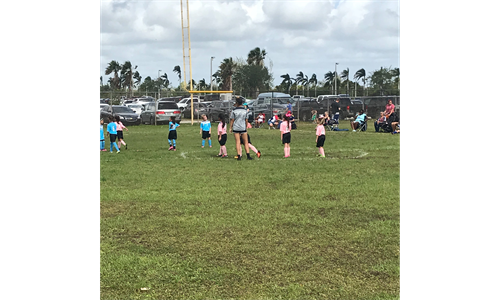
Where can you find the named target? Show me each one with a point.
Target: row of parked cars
(143, 111)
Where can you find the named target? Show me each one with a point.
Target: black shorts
(205, 134)
(321, 141)
(286, 138)
(241, 139)
(240, 132)
(223, 139)
(120, 134)
(172, 134)
(112, 138)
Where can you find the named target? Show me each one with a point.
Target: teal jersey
(112, 128)
(205, 125)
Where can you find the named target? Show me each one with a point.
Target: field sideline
(189, 225)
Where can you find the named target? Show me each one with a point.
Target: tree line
(248, 77)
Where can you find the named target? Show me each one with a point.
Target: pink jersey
(221, 130)
(389, 108)
(320, 130)
(284, 127)
(119, 126)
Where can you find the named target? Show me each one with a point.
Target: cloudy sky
(307, 36)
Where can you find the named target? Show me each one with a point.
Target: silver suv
(164, 110)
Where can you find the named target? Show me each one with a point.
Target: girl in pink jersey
(222, 133)
(119, 130)
(320, 136)
(285, 127)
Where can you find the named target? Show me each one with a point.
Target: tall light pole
(336, 76)
(159, 86)
(211, 60)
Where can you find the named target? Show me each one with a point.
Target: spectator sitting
(395, 122)
(382, 120)
(360, 118)
(273, 122)
(260, 119)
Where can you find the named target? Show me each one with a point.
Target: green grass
(188, 225)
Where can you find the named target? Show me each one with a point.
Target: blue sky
(307, 36)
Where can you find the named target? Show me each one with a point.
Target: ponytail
(221, 117)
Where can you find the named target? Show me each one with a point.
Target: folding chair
(362, 126)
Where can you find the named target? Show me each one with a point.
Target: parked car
(137, 108)
(275, 100)
(200, 108)
(127, 115)
(186, 102)
(220, 107)
(101, 106)
(164, 110)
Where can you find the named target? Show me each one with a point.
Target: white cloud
(308, 36)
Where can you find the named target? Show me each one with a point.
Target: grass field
(189, 225)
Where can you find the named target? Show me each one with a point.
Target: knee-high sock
(119, 144)
(202, 143)
(173, 142)
(114, 145)
(102, 145)
(170, 142)
(210, 142)
(224, 151)
(285, 150)
(288, 151)
(123, 142)
(322, 151)
(252, 147)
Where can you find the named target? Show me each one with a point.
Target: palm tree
(345, 75)
(329, 78)
(101, 80)
(165, 82)
(128, 71)
(177, 70)
(137, 78)
(287, 81)
(256, 57)
(202, 84)
(299, 79)
(361, 74)
(302, 79)
(227, 69)
(114, 67)
(314, 81)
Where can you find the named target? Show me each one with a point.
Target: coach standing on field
(238, 126)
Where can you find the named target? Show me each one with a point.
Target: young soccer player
(102, 136)
(320, 136)
(222, 135)
(252, 147)
(205, 131)
(172, 133)
(119, 130)
(285, 127)
(112, 135)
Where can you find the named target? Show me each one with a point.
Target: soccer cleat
(110, 151)
(219, 155)
(171, 147)
(224, 156)
(126, 148)
(249, 158)
(322, 156)
(258, 154)
(118, 151)
(237, 156)
(175, 149)
(104, 150)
